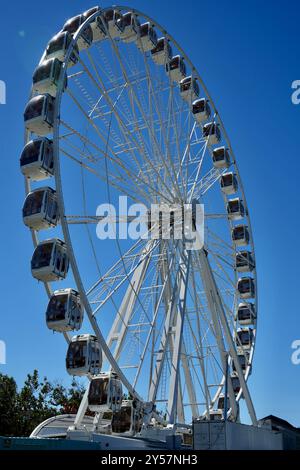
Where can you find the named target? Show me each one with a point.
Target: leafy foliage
(22, 410)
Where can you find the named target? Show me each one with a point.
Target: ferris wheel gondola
(86, 37)
(64, 311)
(176, 68)
(128, 419)
(50, 261)
(129, 27)
(36, 161)
(97, 26)
(162, 52)
(189, 89)
(84, 356)
(113, 21)
(105, 393)
(221, 158)
(229, 183)
(46, 77)
(58, 47)
(40, 209)
(39, 115)
(246, 313)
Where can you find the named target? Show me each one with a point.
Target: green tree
(8, 405)
(21, 411)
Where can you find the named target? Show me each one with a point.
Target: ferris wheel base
(56, 434)
(226, 435)
(61, 429)
(100, 442)
(114, 442)
(207, 435)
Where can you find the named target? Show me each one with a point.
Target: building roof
(280, 422)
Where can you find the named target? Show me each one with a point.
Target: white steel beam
(184, 266)
(185, 365)
(210, 292)
(165, 338)
(217, 301)
(119, 328)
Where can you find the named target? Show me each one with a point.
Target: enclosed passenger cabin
(216, 415)
(113, 22)
(129, 27)
(244, 338)
(235, 384)
(229, 184)
(240, 235)
(220, 157)
(246, 313)
(91, 11)
(72, 26)
(148, 37)
(105, 393)
(58, 48)
(235, 209)
(221, 406)
(246, 287)
(243, 361)
(64, 311)
(97, 26)
(176, 68)
(221, 402)
(50, 261)
(46, 77)
(84, 355)
(162, 52)
(39, 114)
(36, 161)
(244, 261)
(201, 110)
(128, 419)
(211, 132)
(189, 89)
(40, 209)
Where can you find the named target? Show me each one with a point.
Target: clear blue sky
(248, 55)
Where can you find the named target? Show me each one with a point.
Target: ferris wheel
(118, 109)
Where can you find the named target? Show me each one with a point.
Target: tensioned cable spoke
(120, 253)
(220, 239)
(83, 139)
(119, 262)
(124, 129)
(143, 195)
(168, 152)
(172, 121)
(191, 123)
(126, 278)
(143, 104)
(100, 85)
(200, 357)
(137, 101)
(229, 280)
(216, 333)
(116, 159)
(196, 181)
(151, 325)
(95, 219)
(124, 316)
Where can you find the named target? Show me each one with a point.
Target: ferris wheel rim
(58, 181)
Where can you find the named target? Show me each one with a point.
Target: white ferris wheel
(164, 334)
